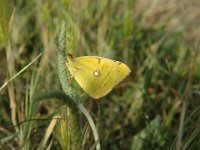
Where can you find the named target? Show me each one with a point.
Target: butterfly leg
(76, 70)
(74, 73)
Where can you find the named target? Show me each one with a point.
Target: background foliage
(156, 107)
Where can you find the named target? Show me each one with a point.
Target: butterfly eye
(97, 73)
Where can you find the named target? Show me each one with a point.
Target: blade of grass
(185, 100)
(91, 122)
(48, 132)
(17, 74)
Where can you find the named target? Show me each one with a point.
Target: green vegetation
(156, 107)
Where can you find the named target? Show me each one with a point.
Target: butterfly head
(70, 57)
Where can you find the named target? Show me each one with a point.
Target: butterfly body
(97, 75)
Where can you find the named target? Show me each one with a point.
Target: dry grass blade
(49, 131)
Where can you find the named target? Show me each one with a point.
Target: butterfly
(96, 75)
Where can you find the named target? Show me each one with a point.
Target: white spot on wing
(97, 73)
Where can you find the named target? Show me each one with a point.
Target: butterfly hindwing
(97, 75)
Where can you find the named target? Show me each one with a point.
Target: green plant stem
(74, 115)
(69, 91)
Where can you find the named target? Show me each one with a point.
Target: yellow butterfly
(96, 75)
